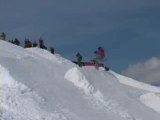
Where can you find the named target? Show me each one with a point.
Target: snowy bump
(151, 100)
(78, 79)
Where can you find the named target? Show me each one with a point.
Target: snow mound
(80, 81)
(19, 102)
(151, 100)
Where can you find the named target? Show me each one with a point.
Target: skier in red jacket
(100, 55)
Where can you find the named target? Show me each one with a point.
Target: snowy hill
(36, 85)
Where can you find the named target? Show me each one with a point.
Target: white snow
(20, 103)
(152, 100)
(131, 82)
(37, 85)
(79, 80)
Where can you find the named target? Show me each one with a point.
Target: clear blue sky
(129, 30)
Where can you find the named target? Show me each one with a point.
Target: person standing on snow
(52, 50)
(79, 59)
(41, 43)
(3, 36)
(100, 54)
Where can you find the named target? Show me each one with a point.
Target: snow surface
(151, 100)
(37, 85)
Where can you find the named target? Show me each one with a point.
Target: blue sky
(129, 30)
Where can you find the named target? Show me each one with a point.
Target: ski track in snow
(20, 103)
(79, 80)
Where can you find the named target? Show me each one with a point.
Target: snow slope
(36, 85)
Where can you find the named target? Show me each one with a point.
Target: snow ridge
(131, 82)
(19, 102)
(79, 80)
(47, 55)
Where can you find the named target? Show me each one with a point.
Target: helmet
(99, 48)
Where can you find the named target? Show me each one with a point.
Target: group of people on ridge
(28, 43)
(100, 52)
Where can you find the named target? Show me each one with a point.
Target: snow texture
(37, 85)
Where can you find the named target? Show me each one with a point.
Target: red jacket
(101, 53)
